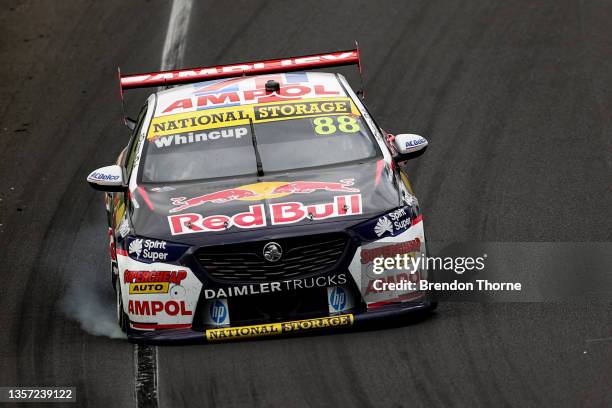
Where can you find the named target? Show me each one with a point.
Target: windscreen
(223, 142)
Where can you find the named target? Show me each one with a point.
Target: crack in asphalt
(145, 385)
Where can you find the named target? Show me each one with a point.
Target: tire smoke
(95, 314)
(89, 298)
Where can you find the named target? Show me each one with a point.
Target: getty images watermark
(413, 264)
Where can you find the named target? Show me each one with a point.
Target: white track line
(174, 46)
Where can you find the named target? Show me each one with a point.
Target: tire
(114, 274)
(122, 318)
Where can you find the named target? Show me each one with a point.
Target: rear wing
(185, 76)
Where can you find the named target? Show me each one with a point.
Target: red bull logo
(280, 214)
(261, 191)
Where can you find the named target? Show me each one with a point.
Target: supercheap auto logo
(261, 191)
(274, 329)
(390, 250)
(145, 282)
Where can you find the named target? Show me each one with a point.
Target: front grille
(302, 256)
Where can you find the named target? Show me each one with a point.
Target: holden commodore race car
(254, 200)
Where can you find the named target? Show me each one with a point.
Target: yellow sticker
(406, 182)
(274, 329)
(149, 287)
(240, 115)
(119, 213)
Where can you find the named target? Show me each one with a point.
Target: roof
(247, 90)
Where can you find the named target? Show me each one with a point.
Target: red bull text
(280, 213)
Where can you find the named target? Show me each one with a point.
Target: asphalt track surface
(514, 98)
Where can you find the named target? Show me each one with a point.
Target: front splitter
(287, 328)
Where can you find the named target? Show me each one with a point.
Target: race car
(257, 199)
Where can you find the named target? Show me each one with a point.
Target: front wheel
(122, 318)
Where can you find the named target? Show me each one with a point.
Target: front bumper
(180, 301)
(323, 324)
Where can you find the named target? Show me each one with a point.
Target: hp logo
(337, 299)
(218, 312)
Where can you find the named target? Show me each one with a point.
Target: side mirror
(109, 178)
(409, 146)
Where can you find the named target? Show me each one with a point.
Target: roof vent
(272, 86)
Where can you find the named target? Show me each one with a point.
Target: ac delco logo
(280, 214)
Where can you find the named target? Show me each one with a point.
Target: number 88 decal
(325, 125)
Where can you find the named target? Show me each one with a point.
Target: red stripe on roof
(380, 165)
(144, 195)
